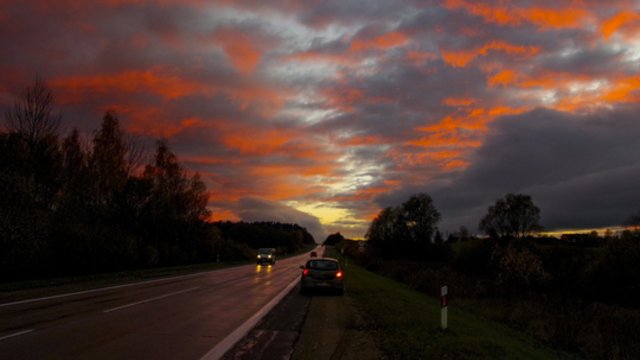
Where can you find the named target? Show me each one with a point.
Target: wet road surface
(174, 318)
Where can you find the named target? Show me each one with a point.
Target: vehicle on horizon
(266, 255)
(313, 254)
(322, 274)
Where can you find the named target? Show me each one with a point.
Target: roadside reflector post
(443, 307)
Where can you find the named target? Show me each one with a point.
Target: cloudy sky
(323, 112)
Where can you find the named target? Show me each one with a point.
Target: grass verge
(406, 324)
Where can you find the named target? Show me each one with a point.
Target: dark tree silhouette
(405, 231)
(32, 114)
(107, 161)
(634, 221)
(421, 217)
(514, 216)
(333, 239)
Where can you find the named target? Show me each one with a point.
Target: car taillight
(339, 274)
(305, 272)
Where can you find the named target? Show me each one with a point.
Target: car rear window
(322, 265)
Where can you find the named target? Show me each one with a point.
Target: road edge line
(99, 289)
(16, 334)
(232, 339)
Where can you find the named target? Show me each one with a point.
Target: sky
(323, 112)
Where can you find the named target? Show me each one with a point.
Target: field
(405, 324)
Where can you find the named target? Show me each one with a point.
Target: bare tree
(32, 113)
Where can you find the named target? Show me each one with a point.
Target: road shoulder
(335, 329)
(318, 326)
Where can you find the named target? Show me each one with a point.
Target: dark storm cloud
(398, 97)
(581, 170)
(260, 209)
(596, 61)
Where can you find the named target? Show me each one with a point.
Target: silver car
(322, 273)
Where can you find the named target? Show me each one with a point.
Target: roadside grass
(406, 324)
(51, 286)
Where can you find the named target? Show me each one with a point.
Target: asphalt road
(175, 318)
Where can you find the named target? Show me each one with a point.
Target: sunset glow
(326, 112)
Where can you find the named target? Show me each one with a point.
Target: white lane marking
(227, 343)
(120, 286)
(151, 299)
(16, 334)
(101, 289)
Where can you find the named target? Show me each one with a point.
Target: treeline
(579, 293)
(286, 238)
(71, 207)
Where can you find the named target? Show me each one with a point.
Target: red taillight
(305, 272)
(339, 274)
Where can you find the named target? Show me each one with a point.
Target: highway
(182, 317)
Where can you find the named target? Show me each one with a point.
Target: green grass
(407, 325)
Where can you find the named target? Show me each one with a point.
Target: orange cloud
(462, 131)
(240, 49)
(617, 22)
(462, 58)
(162, 82)
(504, 77)
(343, 97)
(266, 143)
(418, 58)
(446, 143)
(623, 89)
(276, 183)
(385, 41)
(551, 18)
(541, 17)
(442, 140)
(362, 141)
(457, 102)
(456, 164)
(223, 215)
(457, 59)
(156, 81)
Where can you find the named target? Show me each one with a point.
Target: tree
(386, 227)
(32, 113)
(405, 231)
(514, 216)
(176, 208)
(334, 239)
(107, 161)
(634, 221)
(420, 217)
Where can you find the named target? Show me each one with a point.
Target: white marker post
(443, 307)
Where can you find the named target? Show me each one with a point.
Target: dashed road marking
(151, 299)
(16, 334)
